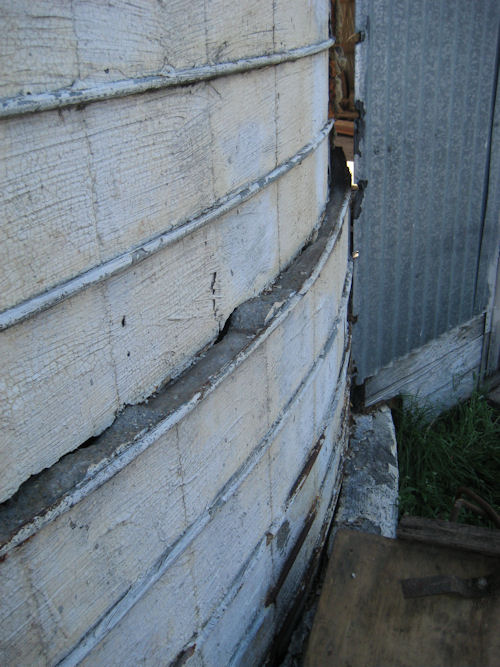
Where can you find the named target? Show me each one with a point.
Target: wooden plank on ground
(364, 620)
(450, 534)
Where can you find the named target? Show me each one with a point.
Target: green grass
(459, 448)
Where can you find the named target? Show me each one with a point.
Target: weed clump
(461, 447)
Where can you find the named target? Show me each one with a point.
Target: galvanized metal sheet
(426, 77)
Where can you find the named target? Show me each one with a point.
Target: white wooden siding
(117, 533)
(47, 46)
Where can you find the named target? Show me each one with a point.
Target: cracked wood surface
(84, 42)
(116, 546)
(115, 343)
(80, 187)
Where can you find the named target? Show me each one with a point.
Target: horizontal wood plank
(300, 22)
(150, 322)
(120, 548)
(93, 183)
(440, 373)
(85, 43)
(303, 81)
(450, 534)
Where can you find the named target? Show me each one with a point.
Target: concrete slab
(368, 501)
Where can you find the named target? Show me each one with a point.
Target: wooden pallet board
(364, 620)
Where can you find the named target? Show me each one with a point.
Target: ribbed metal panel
(426, 78)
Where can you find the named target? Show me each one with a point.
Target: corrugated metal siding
(426, 77)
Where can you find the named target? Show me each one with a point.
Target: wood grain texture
(131, 39)
(300, 22)
(80, 564)
(243, 126)
(223, 634)
(230, 576)
(236, 30)
(38, 49)
(58, 386)
(83, 43)
(457, 536)
(302, 102)
(302, 194)
(82, 186)
(365, 620)
(168, 487)
(149, 323)
(150, 163)
(155, 631)
(440, 373)
(48, 230)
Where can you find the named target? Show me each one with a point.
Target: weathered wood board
(301, 102)
(115, 343)
(297, 21)
(91, 184)
(233, 564)
(363, 618)
(124, 530)
(58, 386)
(297, 208)
(440, 373)
(136, 222)
(84, 43)
(48, 230)
(149, 310)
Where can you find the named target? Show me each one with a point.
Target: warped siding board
(302, 194)
(229, 585)
(38, 47)
(48, 228)
(328, 370)
(58, 380)
(301, 102)
(146, 321)
(162, 313)
(117, 173)
(298, 22)
(123, 530)
(330, 285)
(148, 315)
(328, 487)
(287, 463)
